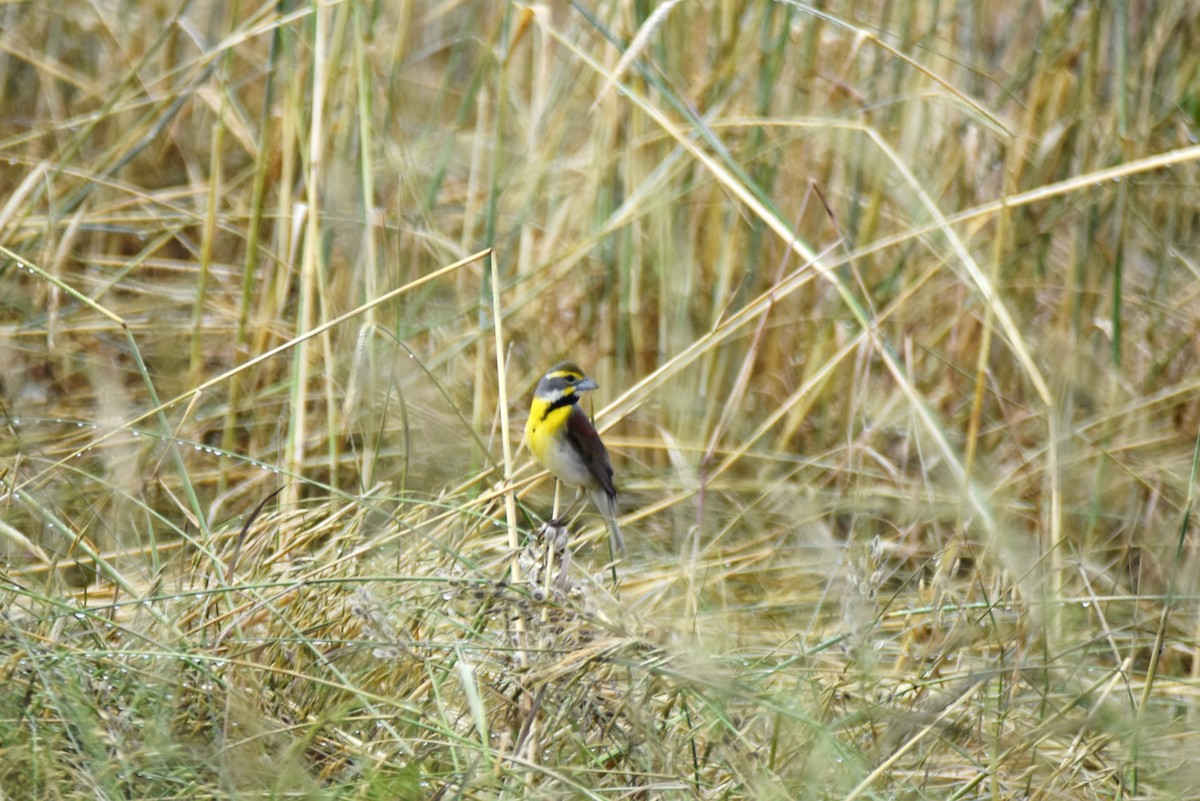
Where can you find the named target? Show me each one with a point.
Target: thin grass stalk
(19, 203)
(1168, 607)
(250, 263)
(510, 505)
(208, 234)
(311, 255)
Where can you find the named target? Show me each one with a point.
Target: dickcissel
(561, 437)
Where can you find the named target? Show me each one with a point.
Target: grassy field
(895, 311)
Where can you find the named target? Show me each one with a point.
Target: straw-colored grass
(894, 308)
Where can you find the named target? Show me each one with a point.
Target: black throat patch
(569, 399)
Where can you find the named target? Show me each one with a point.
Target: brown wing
(580, 430)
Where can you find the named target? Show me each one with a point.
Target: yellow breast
(542, 429)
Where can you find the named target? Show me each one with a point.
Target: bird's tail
(607, 504)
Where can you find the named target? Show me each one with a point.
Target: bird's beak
(586, 384)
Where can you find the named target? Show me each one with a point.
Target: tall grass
(894, 312)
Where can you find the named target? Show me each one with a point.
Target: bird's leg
(560, 520)
(556, 543)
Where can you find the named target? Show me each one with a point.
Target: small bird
(561, 437)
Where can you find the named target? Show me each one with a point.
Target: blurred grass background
(894, 308)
